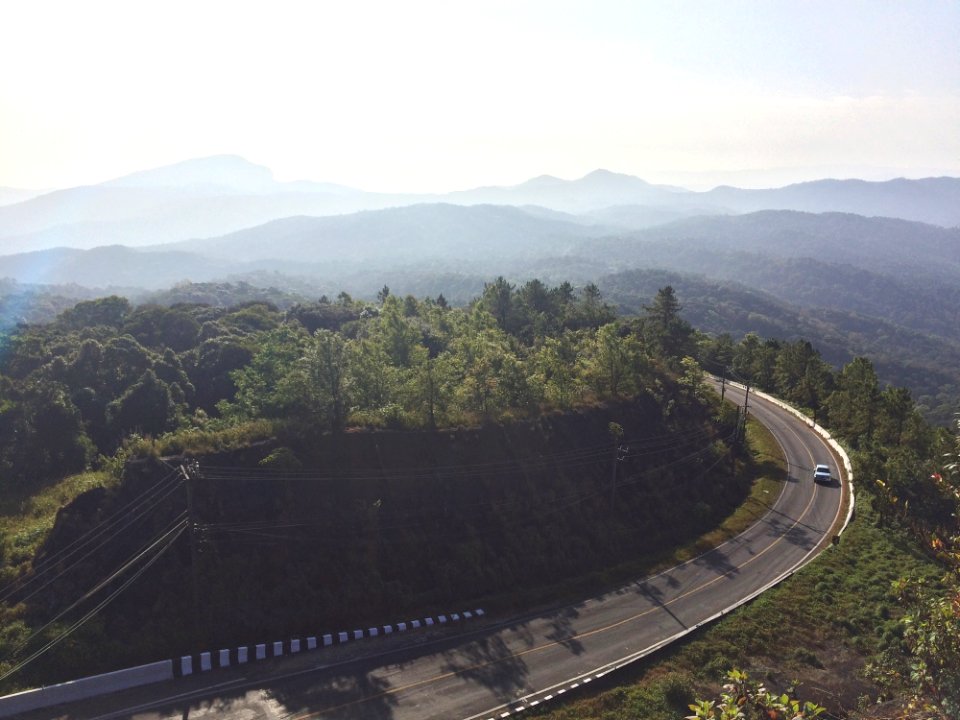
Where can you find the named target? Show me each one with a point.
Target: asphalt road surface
(497, 670)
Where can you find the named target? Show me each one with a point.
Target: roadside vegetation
(108, 382)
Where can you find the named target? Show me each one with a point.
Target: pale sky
(432, 96)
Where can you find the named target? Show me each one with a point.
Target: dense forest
(271, 390)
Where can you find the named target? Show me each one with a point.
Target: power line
(94, 611)
(120, 514)
(176, 526)
(273, 530)
(121, 522)
(575, 458)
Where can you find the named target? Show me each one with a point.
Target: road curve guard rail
(825, 434)
(96, 685)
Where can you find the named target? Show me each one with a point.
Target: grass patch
(202, 441)
(24, 528)
(769, 469)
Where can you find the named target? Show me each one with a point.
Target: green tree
(716, 353)
(432, 385)
(260, 384)
(497, 299)
(590, 311)
(124, 361)
(395, 332)
(896, 408)
(320, 380)
(613, 361)
(158, 327)
(43, 434)
(210, 367)
(665, 331)
(111, 311)
(932, 634)
(801, 376)
(854, 404)
(691, 376)
(374, 377)
(556, 364)
(755, 360)
(146, 407)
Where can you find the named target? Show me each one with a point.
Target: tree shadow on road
(563, 632)
(491, 663)
(355, 696)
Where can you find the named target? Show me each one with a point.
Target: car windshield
(822, 469)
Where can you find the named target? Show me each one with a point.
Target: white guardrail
(88, 687)
(825, 434)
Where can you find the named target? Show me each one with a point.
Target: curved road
(495, 671)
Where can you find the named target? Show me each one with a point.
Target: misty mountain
(210, 197)
(197, 198)
(112, 266)
(637, 217)
(929, 200)
(488, 235)
(908, 250)
(881, 266)
(357, 249)
(594, 191)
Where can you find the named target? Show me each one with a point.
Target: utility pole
(616, 430)
(190, 470)
(723, 383)
(746, 396)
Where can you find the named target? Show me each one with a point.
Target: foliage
(746, 699)
(931, 619)
(111, 380)
(910, 341)
(932, 634)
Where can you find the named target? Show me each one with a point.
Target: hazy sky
(446, 95)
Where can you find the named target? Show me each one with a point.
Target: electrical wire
(177, 525)
(115, 528)
(95, 610)
(118, 515)
(579, 457)
(267, 530)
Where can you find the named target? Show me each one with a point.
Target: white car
(821, 474)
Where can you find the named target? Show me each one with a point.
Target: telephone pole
(743, 426)
(190, 470)
(616, 430)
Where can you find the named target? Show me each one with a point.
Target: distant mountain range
(854, 266)
(210, 197)
(887, 267)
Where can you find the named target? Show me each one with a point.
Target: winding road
(498, 670)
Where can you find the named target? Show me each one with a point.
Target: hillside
(855, 285)
(418, 451)
(902, 355)
(419, 233)
(406, 522)
(900, 248)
